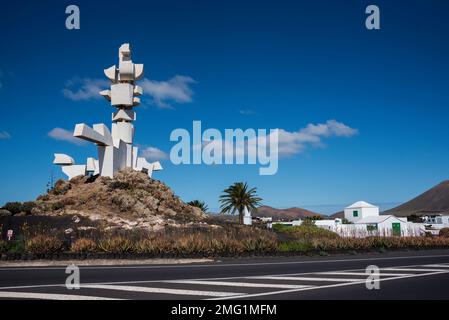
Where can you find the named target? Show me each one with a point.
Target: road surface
(406, 275)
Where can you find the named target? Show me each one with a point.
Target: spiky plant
(238, 196)
(199, 204)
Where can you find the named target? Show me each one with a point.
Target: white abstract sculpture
(115, 147)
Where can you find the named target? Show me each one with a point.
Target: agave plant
(199, 204)
(238, 196)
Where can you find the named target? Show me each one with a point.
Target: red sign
(9, 234)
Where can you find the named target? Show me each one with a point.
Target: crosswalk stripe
(161, 290)
(412, 269)
(48, 296)
(437, 265)
(306, 278)
(366, 274)
(240, 284)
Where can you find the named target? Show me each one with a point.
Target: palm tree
(199, 204)
(237, 197)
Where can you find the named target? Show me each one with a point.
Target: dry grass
(43, 244)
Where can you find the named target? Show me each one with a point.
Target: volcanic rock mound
(129, 200)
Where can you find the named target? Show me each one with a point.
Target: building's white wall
(349, 214)
(370, 212)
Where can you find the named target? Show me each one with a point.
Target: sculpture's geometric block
(124, 131)
(111, 73)
(90, 165)
(103, 131)
(138, 71)
(124, 52)
(138, 91)
(74, 170)
(106, 94)
(136, 101)
(105, 160)
(85, 132)
(142, 163)
(123, 114)
(63, 159)
(126, 71)
(135, 152)
(122, 94)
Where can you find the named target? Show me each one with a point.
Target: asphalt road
(406, 275)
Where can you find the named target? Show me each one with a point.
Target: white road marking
(412, 269)
(306, 278)
(364, 274)
(327, 286)
(239, 284)
(161, 290)
(107, 285)
(437, 265)
(48, 296)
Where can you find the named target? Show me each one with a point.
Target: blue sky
(257, 64)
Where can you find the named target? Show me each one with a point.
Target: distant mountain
(435, 200)
(339, 214)
(285, 214)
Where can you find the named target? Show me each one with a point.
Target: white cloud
(84, 89)
(153, 154)
(64, 135)
(163, 93)
(176, 89)
(291, 143)
(4, 135)
(247, 112)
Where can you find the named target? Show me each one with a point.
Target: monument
(115, 147)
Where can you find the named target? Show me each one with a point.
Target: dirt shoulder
(99, 262)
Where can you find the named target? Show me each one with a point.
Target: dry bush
(116, 244)
(43, 244)
(84, 245)
(363, 244)
(444, 233)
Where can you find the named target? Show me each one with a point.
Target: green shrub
(43, 244)
(3, 246)
(28, 206)
(55, 206)
(308, 231)
(13, 207)
(16, 246)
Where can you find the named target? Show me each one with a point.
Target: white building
(360, 210)
(435, 222)
(364, 221)
(247, 219)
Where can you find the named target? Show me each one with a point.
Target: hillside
(339, 214)
(285, 214)
(434, 200)
(129, 200)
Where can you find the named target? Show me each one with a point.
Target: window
(355, 213)
(371, 227)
